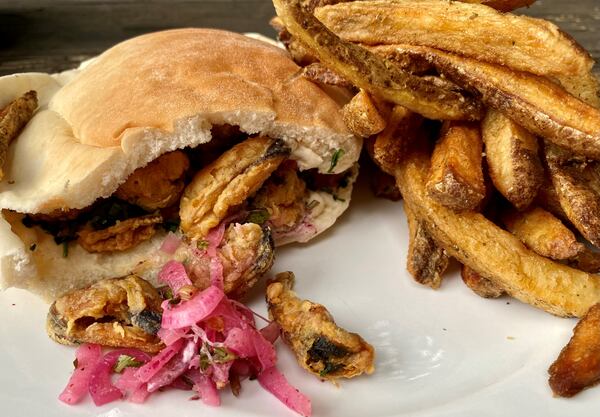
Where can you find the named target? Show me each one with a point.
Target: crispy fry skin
(122, 236)
(548, 199)
(246, 253)
(426, 261)
(535, 103)
(371, 73)
(543, 233)
(12, 119)
(585, 87)
(228, 182)
(456, 176)
(319, 73)
(587, 260)
(481, 286)
(362, 117)
(157, 185)
(473, 30)
(320, 346)
(491, 251)
(118, 312)
(388, 148)
(578, 365)
(575, 190)
(512, 157)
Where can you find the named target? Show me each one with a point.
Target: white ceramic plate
(439, 353)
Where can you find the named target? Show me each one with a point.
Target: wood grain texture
(47, 35)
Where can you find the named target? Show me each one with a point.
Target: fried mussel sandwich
(188, 145)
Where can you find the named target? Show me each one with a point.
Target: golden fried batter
(228, 182)
(124, 235)
(578, 365)
(12, 119)
(246, 254)
(283, 196)
(320, 346)
(157, 185)
(119, 312)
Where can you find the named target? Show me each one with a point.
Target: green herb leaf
(202, 244)
(335, 159)
(126, 361)
(222, 355)
(259, 216)
(312, 204)
(65, 246)
(204, 362)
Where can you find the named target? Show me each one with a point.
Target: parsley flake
(335, 159)
(126, 361)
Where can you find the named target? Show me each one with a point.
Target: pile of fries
(490, 124)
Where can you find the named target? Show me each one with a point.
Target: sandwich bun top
(153, 94)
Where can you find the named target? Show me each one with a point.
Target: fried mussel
(321, 347)
(118, 312)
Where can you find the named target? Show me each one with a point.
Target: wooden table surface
(53, 35)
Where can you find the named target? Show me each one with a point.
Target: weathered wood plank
(47, 35)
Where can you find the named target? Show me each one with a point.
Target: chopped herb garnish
(222, 355)
(32, 247)
(258, 216)
(312, 204)
(202, 244)
(168, 293)
(126, 361)
(65, 246)
(204, 362)
(335, 159)
(336, 198)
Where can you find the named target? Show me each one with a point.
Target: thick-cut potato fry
(578, 365)
(543, 233)
(425, 261)
(480, 244)
(12, 119)
(319, 73)
(512, 157)
(388, 148)
(473, 30)
(587, 260)
(362, 116)
(456, 175)
(574, 186)
(371, 73)
(548, 199)
(585, 87)
(536, 103)
(481, 286)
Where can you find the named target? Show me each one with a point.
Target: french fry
(492, 252)
(578, 365)
(426, 261)
(573, 183)
(473, 30)
(319, 73)
(587, 260)
(543, 233)
(388, 148)
(535, 103)
(481, 286)
(371, 73)
(362, 117)
(456, 176)
(512, 157)
(548, 199)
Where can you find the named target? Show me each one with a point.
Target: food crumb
(13, 304)
(510, 337)
(507, 303)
